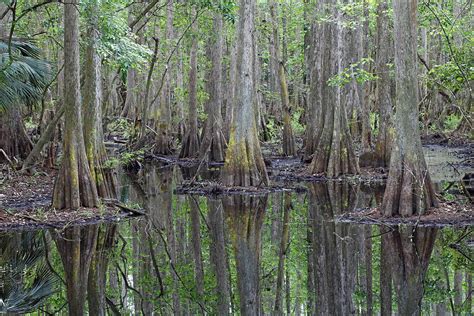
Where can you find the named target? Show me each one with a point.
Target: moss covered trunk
(74, 186)
(409, 189)
(244, 165)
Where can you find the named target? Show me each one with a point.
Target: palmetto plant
(25, 279)
(23, 74)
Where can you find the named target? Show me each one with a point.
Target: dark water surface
(274, 254)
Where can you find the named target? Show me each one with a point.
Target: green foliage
(118, 45)
(452, 122)
(298, 128)
(128, 157)
(355, 72)
(121, 126)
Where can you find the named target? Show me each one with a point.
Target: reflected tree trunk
(245, 219)
(97, 280)
(368, 269)
(76, 246)
(333, 248)
(410, 251)
(285, 237)
(219, 256)
(385, 274)
(196, 245)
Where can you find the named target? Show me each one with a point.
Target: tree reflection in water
(228, 255)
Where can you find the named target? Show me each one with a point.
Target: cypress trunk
(75, 185)
(289, 146)
(409, 189)
(244, 165)
(191, 140)
(213, 140)
(333, 155)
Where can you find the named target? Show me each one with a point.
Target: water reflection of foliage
(25, 278)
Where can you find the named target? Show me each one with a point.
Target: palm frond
(23, 74)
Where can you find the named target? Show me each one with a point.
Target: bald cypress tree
(74, 186)
(244, 165)
(409, 189)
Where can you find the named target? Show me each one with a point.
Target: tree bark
(409, 189)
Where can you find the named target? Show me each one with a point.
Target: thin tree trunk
(46, 137)
(458, 289)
